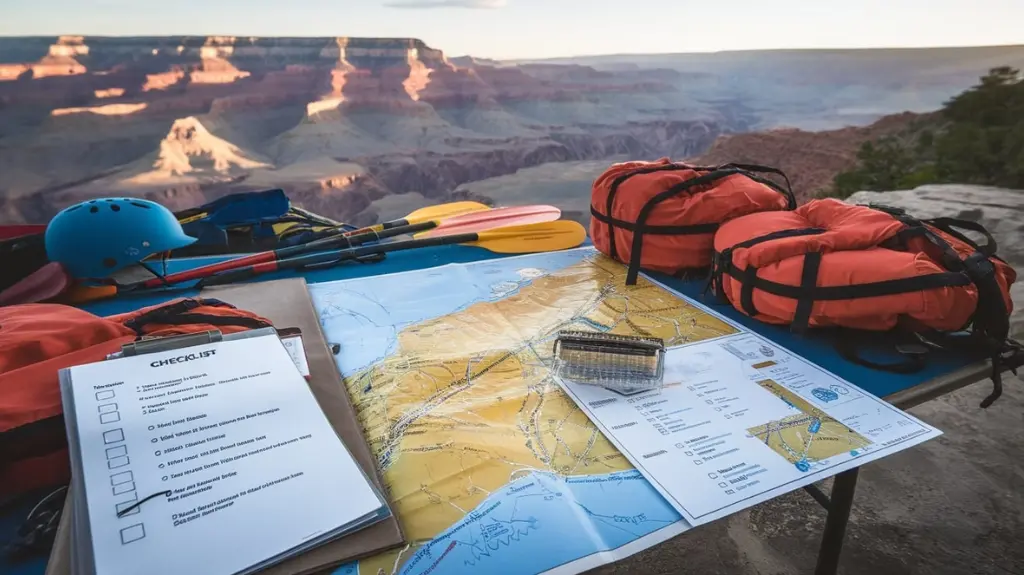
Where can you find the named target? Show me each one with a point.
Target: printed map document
(490, 466)
(212, 459)
(741, 421)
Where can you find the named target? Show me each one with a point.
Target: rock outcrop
(1001, 211)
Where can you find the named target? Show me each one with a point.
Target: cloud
(476, 4)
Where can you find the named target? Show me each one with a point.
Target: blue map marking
(803, 466)
(814, 426)
(541, 521)
(365, 315)
(824, 395)
(854, 453)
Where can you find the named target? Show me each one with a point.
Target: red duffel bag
(663, 215)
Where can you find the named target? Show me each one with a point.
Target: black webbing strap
(640, 227)
(948, 226)
(808, 282)
(648, 208)
(850, 343)
(872, 289)
(692, 229)
(723, 260)
(613, 189)
(747, 290)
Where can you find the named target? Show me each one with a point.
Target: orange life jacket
(829, 263)
(37, 340)
(662, 216)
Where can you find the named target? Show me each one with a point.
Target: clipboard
(291, 337)
(286, 302)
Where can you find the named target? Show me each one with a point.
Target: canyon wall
(338, 122)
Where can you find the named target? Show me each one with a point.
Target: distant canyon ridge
(367, 129)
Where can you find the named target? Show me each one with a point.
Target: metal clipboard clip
(183, 341)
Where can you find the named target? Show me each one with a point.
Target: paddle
(438, 212)
(405, 225)
(477, 221)
(491, 219)
(529, 238)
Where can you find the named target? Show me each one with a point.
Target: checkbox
(713, 475)
(718, 409)
(679, 446)
(108, 408)
(689, 453)
(723, 484)
(123, 477)
(132, 533)
(113, 436)
(729, 491)
(106, 394)
(125, 505)
(708, 401)
(117, 451)
(117, 462)
(111, 417)
(124, 488)
(727, 416)
(698, 462)
(700, 395)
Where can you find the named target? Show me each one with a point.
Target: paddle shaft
(333, 257)
(350, 239)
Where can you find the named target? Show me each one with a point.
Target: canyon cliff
(337, 122)
(360, 128)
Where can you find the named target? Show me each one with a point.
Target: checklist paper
(184, 454)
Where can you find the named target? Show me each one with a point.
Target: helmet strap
(163, 265)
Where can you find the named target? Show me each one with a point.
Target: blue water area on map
(814, 426)
(541, 521)
(366, 315)
(803, 466)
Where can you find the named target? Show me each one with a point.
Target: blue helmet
(96, 238)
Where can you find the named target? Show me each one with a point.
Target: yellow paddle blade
(442, 211)
(532, 238)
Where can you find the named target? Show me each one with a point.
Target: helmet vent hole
(115, 208)
(138, 205)
(93, 209)
(109, 262)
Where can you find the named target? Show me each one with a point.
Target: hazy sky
(542, 28)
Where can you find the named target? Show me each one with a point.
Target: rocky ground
(954, 505)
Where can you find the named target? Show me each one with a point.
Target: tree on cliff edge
(977, 139)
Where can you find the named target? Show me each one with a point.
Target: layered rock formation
(338, 122)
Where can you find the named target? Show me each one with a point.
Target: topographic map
(490, 467)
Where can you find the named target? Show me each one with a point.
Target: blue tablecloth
(817, 346)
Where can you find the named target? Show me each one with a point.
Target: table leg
(841, 500)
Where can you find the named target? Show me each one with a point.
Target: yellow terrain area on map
(466, 402)
(811, 435)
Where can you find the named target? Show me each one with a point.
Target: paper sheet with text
(740, 421)
(228, 434)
